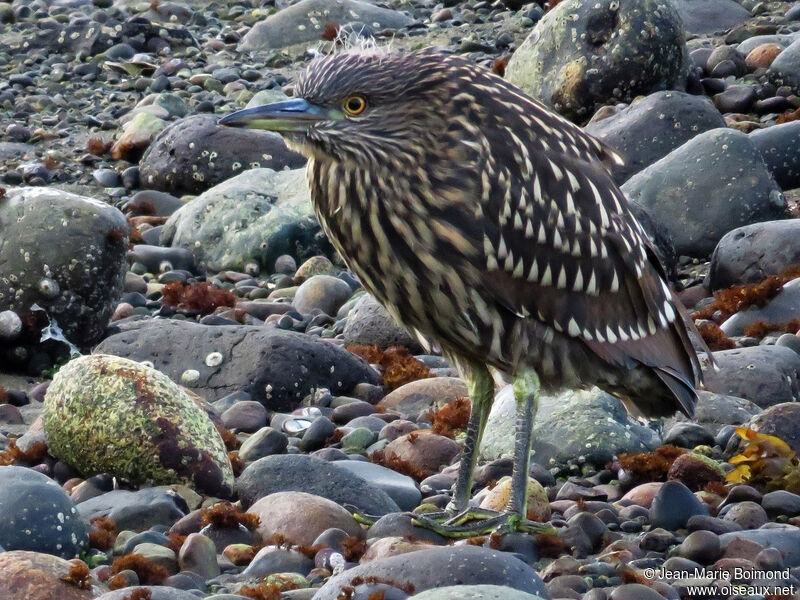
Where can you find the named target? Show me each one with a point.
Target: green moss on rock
(106, 414)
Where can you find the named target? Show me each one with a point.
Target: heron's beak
(291, 115)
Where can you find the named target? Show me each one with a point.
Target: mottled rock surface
(105, 414)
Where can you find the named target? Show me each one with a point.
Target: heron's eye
(355, 105)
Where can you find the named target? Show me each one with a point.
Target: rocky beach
(199, 400)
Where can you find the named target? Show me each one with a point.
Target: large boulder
(749, 254)
(251, 218)
(106, 414)
(276, 367)
(765, 375)
(705, 188)
(710, 16)
(585, 54)
(37, 576)
(64, 253)
(305, 22)
(440, 567)
(38, 515)
(194, 154)
(583, 425)
(778, 146)
(651, 127)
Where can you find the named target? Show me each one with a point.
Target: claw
(478, 522)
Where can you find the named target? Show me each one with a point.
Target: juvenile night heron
(490, 226)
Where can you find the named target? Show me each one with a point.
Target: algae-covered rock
(585, 54)
(106, 414)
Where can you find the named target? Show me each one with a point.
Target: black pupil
(354, 104)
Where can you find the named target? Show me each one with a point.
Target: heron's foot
(478, 522)
(361, 517)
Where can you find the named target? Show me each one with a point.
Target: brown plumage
(486, 223)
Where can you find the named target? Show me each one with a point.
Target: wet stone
(303, 473)
(718, 202)
(574, 79)
(651, 127)
(37, 515)
(674, 505)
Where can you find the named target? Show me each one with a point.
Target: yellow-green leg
(477, 522)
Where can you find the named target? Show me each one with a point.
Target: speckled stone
(441, 567)
(37, 515)
(611, 62)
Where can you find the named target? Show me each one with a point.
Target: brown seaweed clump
(450, 418)
(149, 573)
(201, 296)
(761, 328)
(78, 575)
(225, 514)
(713, 336)
(104, 533)
(261, 592)
(140, 594)
(398, 367)
(738, 297)
(14, 455)
(651, 466)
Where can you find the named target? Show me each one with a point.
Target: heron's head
(366, 106)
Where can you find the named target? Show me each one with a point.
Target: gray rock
(785, 69)
(652, 127)
(199, 555)
(585, 54)
(781, 420)
(710, 16)
(248, 416)
(784, 39)
(765, 375)
(573, 425)
(780, 309)
(37, 515)
(712, 184)
(368, 322)
(781, 502)
(137, 511)
(749, 254)
(475, 592)
(254, 217)
(785, 538)
(324, 292)
(160, 260)
(301, 473)
(271, 560)
(43, 231)
(778, 146)
(417, 398)
(400, 488)
(264, 442)
(673, 505)
(157, 592)
(304, 22)
(194, 154)
(440, 567)
(714, 411)
(276, 367)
